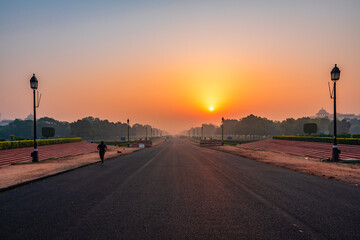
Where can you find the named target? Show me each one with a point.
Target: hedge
(350, 141)
(236, 142)
(115, 143)
(30, 143)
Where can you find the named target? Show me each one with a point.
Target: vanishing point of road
(178, 190)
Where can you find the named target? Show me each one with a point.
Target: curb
(58, 173)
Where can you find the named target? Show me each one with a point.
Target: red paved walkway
(311, 149)
(45, 152)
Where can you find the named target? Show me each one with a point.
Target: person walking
(102, 149)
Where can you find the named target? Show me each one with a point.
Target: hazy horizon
(166, 63)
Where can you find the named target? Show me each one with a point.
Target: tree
(81, 128)
(310, 128)
(22, 128)
(253, 125)
(288, 126)
(343, 126)
(355, 126)
(62, 129)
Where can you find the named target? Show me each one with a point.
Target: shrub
(310, 128)
(324, 135)
(48, 132)
(116, 143)
(12, 137)
(30, 143)
(236, 142)
(356, 135)
(350, 141)
(344, 135)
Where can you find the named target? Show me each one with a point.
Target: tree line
(88, 128)
(258, 126)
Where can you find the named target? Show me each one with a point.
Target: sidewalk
(18, 174)
(16, 155)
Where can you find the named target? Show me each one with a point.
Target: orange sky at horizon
(237, 58)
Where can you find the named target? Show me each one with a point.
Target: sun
(211, 109)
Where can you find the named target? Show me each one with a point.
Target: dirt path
(345, 172)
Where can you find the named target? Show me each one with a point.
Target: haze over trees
(97, 129)
(258, 126)
(87, 128)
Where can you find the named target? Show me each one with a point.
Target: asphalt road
(177, 190)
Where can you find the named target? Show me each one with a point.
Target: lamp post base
(34, 155)
(335, 154)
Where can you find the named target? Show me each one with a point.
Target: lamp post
(146, 132)
(34, 86)
(202, 132)
(335, 75)
(222, 131)
(128, 127)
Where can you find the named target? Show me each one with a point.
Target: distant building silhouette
(30, 117)
(322, 113)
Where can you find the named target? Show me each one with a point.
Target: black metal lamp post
(146, 133)
(128, 127)
(202, 132)
(34, 86)
(335, 75)
(222, 131)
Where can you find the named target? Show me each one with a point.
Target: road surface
(177, 190)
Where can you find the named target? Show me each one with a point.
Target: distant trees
(62, 129)
(23, 129)
(87, 128)
(343, 127)
(94, 128)
(258, 126)
(253, 125)
(230, 126)
(354, 126)
(209, 130)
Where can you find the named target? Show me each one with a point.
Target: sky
(166, 63)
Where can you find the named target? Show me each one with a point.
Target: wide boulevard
(178, 190)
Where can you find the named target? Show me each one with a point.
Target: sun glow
(211, 109)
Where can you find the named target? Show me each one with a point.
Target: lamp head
(34, 82)
(335, 73)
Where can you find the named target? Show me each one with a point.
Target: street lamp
(202, 132)
(335, 75)
(128, 127)
(222, 131)
(34, 86)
